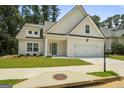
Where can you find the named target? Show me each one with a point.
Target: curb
(103, 80)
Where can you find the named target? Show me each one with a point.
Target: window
(87, 28)
(32, 47)
(35, 33)
(29, 32)
(35, 49)
(29, 46)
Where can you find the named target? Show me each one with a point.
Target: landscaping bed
(104, 74)
(31, 62)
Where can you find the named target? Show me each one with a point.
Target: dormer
(30, 31)
(33, 30)
(33, 33)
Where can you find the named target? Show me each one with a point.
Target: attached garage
(80, 47)
(85, 50)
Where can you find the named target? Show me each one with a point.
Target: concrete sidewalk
(46, 79)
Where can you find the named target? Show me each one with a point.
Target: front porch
(56, 46)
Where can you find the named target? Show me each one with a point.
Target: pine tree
(96, 19)
(45, 13)
(55, 13)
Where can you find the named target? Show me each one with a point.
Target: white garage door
(85, 50)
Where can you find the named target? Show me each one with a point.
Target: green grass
(30, 62)
(118, 57)
(11, 81)
(104, 74)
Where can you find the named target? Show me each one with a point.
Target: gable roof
(88, 17)
(77, 6)
(110, 33)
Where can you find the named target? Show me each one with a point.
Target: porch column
(67, 46)
(46, 43)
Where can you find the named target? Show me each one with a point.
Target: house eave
(56, 34)
(85, 36)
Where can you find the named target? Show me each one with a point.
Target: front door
(54, 48)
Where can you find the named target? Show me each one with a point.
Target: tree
(10, 19)
(96, 20)
(109, 22)
(26, 13)
(122, 23)
(45, 13)
(10, 23)
(55, 13)
(117, 48)
(36, 14)
(115, 19)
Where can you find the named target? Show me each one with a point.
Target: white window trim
(86, 29)
(29, 31)
(33, 47)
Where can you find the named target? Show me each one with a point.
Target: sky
(103, 11)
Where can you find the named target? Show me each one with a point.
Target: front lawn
(30, 62)
(118, 57)
(104, 74)
(11, 81)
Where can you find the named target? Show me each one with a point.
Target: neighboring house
(74, 35)
(113, 35)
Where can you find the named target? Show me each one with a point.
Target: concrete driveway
(22, 73)
(112, 64)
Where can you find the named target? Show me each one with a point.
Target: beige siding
(68, 22)
(98, 43)
(80, 29)
(22, 46)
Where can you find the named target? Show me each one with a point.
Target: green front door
(54, 48)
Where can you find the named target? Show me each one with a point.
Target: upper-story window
(36, 33)
(29, 32)
(87, 28)
(32, 33)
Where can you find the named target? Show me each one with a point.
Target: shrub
(108, 53)
(34, 54)
(41, 54)
(20, 55)
(48, 56)
(27, 54)
(117, 48)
